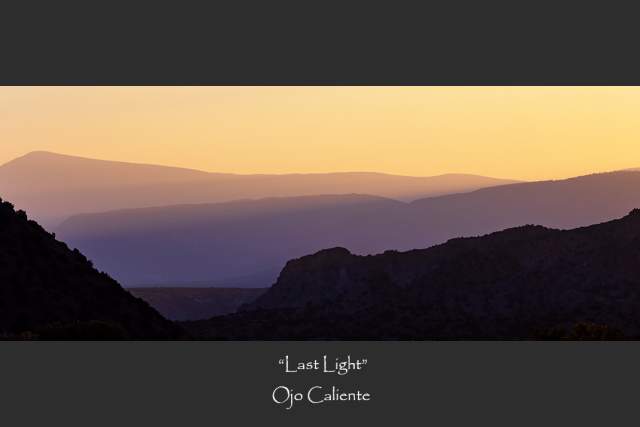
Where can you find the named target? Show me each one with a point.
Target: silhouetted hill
(48, 291)
(196, 303)
(219, 241)
(52, 187)
(525, 282)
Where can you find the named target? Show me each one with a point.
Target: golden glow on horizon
(508, 132)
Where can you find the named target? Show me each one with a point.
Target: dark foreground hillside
(48, 291)
(528, 282)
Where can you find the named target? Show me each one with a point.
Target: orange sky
(511, 132)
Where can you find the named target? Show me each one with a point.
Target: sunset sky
(509, 132)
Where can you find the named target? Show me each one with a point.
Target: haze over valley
(189, 241)
(215, 243)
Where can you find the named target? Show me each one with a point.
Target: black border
(314, 43)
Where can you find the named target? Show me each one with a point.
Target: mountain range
(51, 187)
(222, 241)
(560, 278)
(529, 282)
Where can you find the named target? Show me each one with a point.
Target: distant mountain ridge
(52, 187)
(183, 303)
(522, 283)
(211, 242)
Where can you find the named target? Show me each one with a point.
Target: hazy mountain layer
(52, 187)
(213, 242)
(219, 241)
